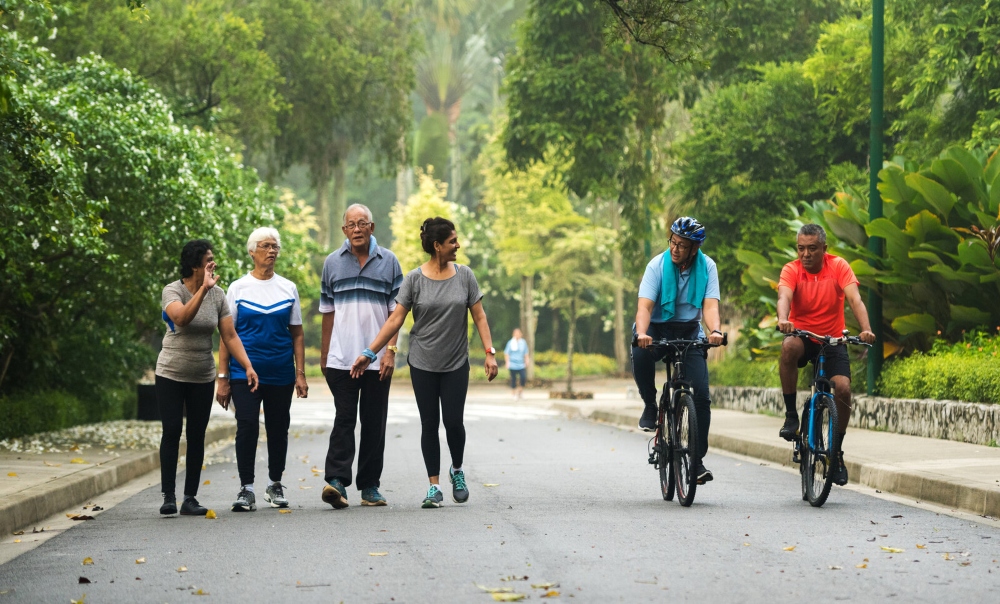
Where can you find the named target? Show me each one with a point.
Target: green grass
(737, 371)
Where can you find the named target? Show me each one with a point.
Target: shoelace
(245, 495)
(278, 490)
(433, 490)
(458, 478)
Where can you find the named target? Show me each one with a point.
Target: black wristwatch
(718, 332)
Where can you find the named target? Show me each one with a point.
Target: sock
(275, 482)
(838, 444)
(455, 470)
(790, 409)
(248, 487)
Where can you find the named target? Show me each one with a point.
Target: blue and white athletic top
(262, 312)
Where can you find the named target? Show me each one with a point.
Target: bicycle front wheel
(666, 469)
(684, 432)
(817, 450)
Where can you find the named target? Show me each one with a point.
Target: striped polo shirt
(362, 298)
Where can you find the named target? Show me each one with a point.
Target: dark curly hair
(193, 253)
(435, 230)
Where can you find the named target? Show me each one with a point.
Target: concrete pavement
(956, 475)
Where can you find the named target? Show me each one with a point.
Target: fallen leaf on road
(550, 594)
(378, 553)
(200, 592)
(52, 465)
(790, 548)
(284, 511)
(507, 597)
(12, 474)
(836, 568)
(17, 540)
(544, 585)
(303, 487)
(80, 601)
(860, 566)
(892, 550)
(964, 563)
(182, 569)
(898, 516)
(948, 556)
(495, 590)
(88, 561)
(745, 544)
(315, 470)
(204, 467)
(921, 546)
(572, 469)
(302, 480)
(210, 515)
(140, 560)
(83, 580)
(491, 484)
(17, 533)
(77, 460)
(80, 517)
(207, 482)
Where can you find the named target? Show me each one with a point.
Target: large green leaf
(925, 226)
(915, 323)
(845, 228)
(972, 165)
(863, 269)
(892, 185)
(955, 177)
(969, 316)
(992, 170)
(896, 241)
(973, 253)
(952, 275)
(995, 192)
(929, 256)
(933, 193)
(751, 257)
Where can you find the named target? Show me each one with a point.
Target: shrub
(738, 371)
(40, 411)
(967, 371)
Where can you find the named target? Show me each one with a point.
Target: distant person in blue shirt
(678, 290)
(268, 317)
(516, 356)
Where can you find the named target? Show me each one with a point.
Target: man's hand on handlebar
(786, 326)
(867, 337)
(715, 338)
(644, 341)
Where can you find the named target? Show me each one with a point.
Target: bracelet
(717, 331)
(301, 372)
(368, 353)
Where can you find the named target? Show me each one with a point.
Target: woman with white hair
(268, 318)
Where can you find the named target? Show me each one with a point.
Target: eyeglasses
(361, 224)
(680, 245)
(267, 247)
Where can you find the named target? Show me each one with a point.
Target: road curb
(37, 503)
(888, 479)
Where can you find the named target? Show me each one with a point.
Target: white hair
(358, 206)
(260, 235)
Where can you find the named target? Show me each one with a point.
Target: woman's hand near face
(210, 277)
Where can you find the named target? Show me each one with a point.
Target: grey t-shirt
(439, 340)
(186, 355)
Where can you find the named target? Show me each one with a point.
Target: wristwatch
(392, 349)
(223, 376)
(491, 350)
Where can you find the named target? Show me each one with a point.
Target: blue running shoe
(459, 491)
(434, 497)
(371, 496)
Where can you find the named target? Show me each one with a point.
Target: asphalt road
(575, 504)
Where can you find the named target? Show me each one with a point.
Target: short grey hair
(260, 235)
(809, 230)
(359, 206)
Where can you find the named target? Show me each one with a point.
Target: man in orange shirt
(811, 296)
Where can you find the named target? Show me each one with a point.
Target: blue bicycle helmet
(688, 228)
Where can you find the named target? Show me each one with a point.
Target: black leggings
(277, 401)
(172, 397)
(450, 389)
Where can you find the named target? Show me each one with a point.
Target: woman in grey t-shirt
(440, 293)
(193, 308)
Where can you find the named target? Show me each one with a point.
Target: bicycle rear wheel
(818, 459)
(684, 436)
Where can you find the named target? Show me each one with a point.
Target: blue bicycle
(814, 446)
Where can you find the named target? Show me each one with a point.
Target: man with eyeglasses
(358, 292)
(678, 291)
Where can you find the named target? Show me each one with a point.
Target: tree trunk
(338, 204)
(569, 345)
(404, 178)
(621, 355)
(528, 319)
(321, 180)
(555, 330)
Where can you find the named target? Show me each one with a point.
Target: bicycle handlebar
(831, 340)
(699, 343)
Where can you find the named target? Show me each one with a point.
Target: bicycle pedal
(652, 460)
(795, 457)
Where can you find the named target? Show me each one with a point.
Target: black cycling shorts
(836, 363)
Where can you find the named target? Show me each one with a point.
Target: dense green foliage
(737, 370)
(965, 371)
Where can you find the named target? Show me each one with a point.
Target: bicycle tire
(818, 458)
(684, 436)
(662, 450)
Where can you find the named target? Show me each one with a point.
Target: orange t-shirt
(818, 299)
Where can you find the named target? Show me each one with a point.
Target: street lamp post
(875, 354)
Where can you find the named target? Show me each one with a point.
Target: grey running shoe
(169, 504)
(459, 491)
(371, 496)
(335, 494)
(647, 423)
(191, 507)
(790, 429)
(839, 469)
(245, 502)
(434, 497)
(275, 495)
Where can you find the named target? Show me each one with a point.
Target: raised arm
(182, 314)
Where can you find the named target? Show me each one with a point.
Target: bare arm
(389, 330)
(643, 315)
(853, 295)
(182, 314)
(235, 348)
(784, 308)
(710, 311)
(299, 352)
(483, 326)
(326, 336)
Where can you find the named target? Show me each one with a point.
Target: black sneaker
(169, 506)
(701, 473)
(839, 469)
(459, 490)
(191, 507)
(791, 428)
(647, 422)
(275, 495)
(245, 502)
(335, 494)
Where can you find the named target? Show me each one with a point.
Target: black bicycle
(814, 447)
(675, 442)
